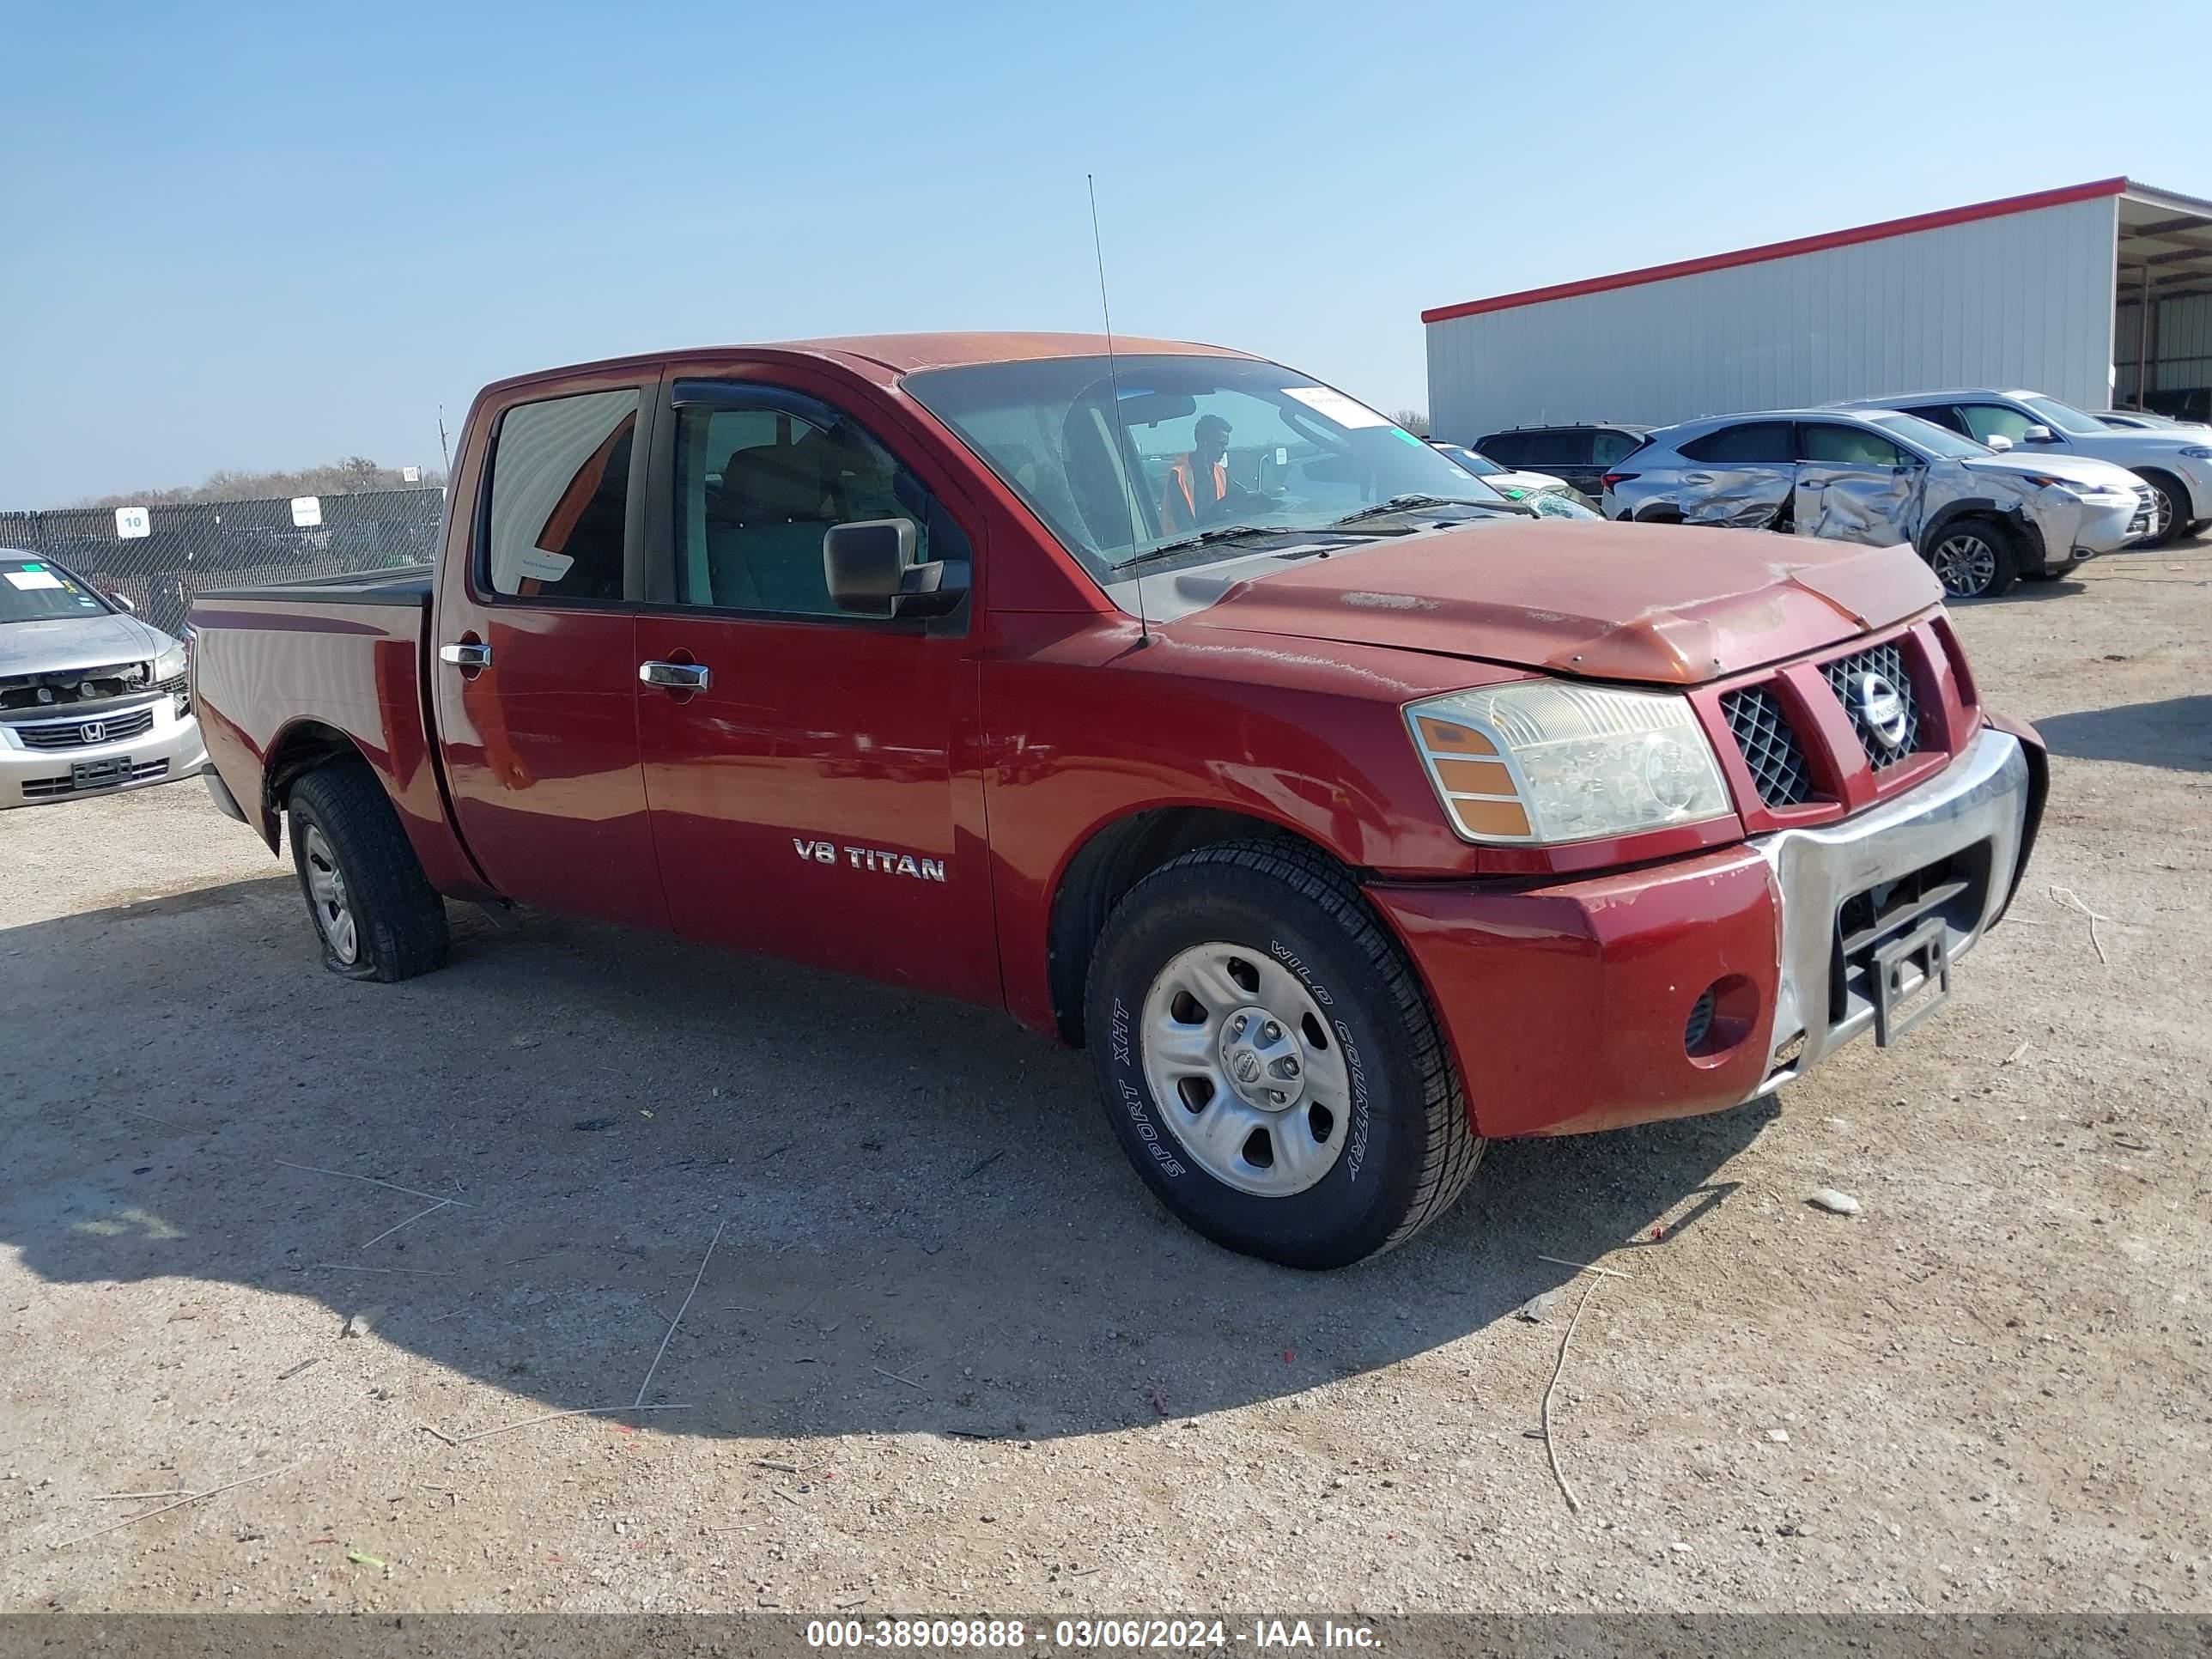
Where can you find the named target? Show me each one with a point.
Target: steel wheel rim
(326, 896)
(1965, 565)
(1246, 1069)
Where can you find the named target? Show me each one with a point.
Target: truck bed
(285, 675)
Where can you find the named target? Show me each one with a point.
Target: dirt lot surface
(948, 1357)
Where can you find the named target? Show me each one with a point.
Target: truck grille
(51, 788)
(1770, 748)
(1887, 661)
(85, 732)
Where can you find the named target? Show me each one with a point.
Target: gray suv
(1979, 518)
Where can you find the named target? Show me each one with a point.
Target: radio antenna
(1114, 384)
(445, 453)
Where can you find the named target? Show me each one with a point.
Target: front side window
(560, 498)
(1988, 420)
(1122, 462)
(1752, 443)
(762, 475)
(2063, 417)
(1607, 447)
(1837, 444)
(1937, 440)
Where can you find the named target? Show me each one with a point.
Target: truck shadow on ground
(2175, 732)
(925, 1225)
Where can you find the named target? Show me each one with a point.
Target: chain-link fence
(161, 557)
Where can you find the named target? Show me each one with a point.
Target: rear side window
(1751, 443)
(560, 498)
(1943, 416)
(1566, 446)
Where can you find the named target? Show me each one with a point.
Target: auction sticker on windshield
(30, 579)
(1347, 412)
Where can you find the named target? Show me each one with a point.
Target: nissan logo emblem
(92, 731)
(1878, 706)
(1247, 1066)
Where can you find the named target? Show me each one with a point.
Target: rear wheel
(1973, 558)
(376, 914)
(1269, 1062)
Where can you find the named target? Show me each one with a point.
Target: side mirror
(1998, 442)
(871, 571)
(124, 600)
(2038, 434)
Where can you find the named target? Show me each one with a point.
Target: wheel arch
(2027, 540)
(301, 747)
(1113, 857)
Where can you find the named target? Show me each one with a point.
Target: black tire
(398, 921)
(1973, 575)
(2174, 502)
(1406, 1150)
(1659, 515)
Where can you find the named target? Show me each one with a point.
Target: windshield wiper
(1219, 533)
(1421, 503)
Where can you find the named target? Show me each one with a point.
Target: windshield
(1937, 439)
(2064, 418)
(1192, 444)
(33, 590)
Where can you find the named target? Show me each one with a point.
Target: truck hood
(61, 644)
(1670, 605)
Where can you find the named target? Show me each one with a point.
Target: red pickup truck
(1178, 703)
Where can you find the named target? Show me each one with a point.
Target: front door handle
(466, 655)
(676, 676)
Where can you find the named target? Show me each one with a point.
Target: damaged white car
(1980, 518)
(92, 701)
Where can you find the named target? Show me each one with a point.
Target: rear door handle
(676, 676)
(466, 655)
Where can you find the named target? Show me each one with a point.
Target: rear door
(534, 665)
(1742, 476)
(818, 795)
(1854, 485)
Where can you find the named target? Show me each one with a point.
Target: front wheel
(376, 914)
(2170, 509)
(1973, 558)
(1269, 1062)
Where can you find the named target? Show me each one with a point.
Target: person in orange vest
(1198, 483)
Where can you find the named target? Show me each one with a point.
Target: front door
(814, 785)
(534, 668)
(1854, 485)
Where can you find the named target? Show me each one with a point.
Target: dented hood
(1665, 603)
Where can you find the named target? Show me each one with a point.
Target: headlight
(2198, 452)
(170, 664)
(1544, 761)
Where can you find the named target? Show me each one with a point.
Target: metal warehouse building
(2050, 292)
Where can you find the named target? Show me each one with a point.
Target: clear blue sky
(247, 236)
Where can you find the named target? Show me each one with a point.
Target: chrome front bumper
(168, 747)
(1980, 800)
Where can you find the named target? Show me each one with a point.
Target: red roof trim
(1753, 255)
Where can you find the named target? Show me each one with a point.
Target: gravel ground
(947, 1355)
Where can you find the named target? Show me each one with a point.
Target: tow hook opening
(1720, 1020)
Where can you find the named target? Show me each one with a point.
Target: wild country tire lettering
(1355, 1070)
(1133, 1098)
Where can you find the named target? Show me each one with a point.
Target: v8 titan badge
(880, 860)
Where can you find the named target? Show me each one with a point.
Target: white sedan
(1550, 496)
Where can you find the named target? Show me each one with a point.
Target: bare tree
(1415, 421)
